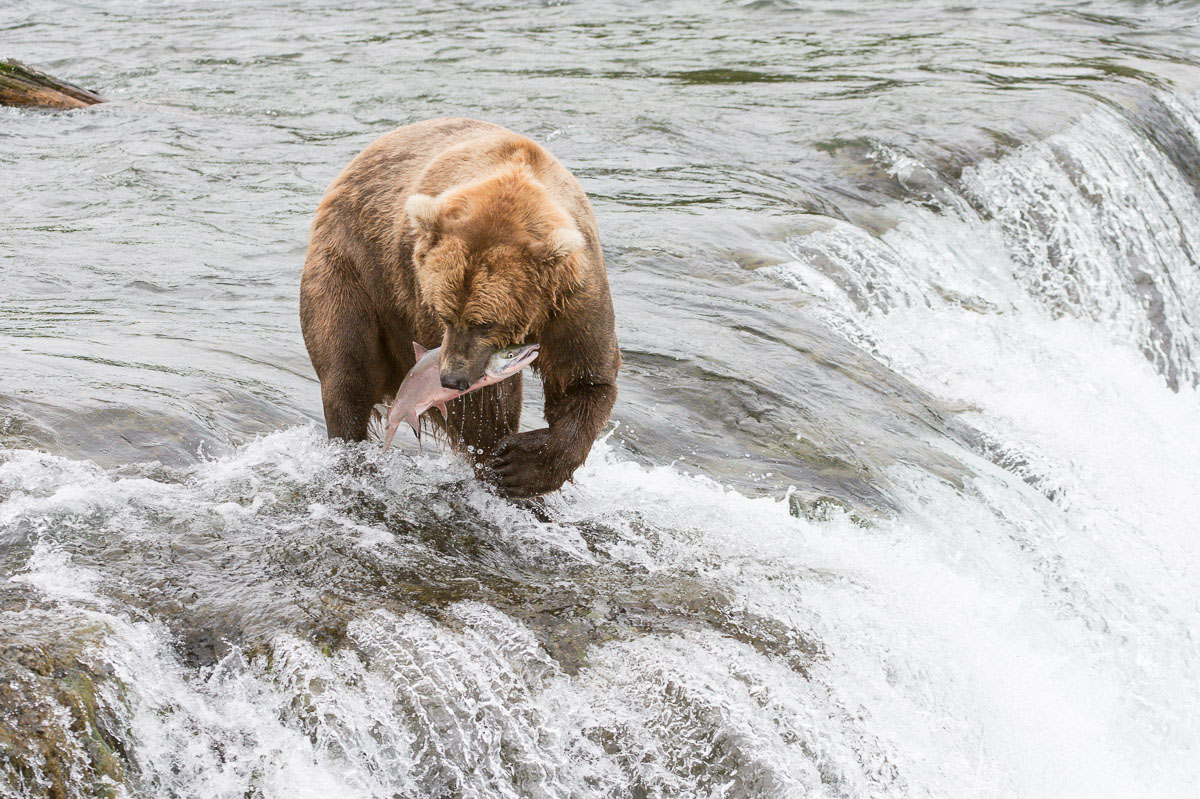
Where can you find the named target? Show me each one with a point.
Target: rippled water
(898, 496)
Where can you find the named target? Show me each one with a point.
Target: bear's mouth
(464, 358)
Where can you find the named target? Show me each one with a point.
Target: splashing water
(901, 498)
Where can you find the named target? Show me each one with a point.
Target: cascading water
(1025, 302)
(898, 501)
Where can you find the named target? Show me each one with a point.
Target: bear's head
(494, 260)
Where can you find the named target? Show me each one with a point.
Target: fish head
(510, 360)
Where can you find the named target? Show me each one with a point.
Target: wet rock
(56, 739)
(22, 85)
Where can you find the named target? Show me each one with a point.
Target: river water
(898, 499)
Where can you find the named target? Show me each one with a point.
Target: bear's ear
(423, 212)
(563, 242)
(564, 249)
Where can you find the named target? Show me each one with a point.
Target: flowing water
(898, 499)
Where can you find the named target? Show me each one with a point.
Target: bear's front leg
(539, 461)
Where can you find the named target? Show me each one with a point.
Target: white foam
(1057, 603)
(50, 571)
(979, 645)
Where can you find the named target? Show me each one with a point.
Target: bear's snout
(464, 357)
(456, 381)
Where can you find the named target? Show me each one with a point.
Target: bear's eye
(483, 328)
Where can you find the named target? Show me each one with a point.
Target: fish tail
(392, 427)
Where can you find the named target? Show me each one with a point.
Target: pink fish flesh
(422, 387)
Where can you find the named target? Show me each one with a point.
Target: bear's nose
(455, 381)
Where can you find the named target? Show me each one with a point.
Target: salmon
(422, 387)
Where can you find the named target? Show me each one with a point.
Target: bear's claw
(527, 465)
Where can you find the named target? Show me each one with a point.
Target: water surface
(897, 499)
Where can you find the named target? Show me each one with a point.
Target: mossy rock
(22, 85)
(57, 740)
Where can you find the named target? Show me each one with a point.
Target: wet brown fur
(462, 234)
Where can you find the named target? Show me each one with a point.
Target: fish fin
(415, 422)
(441, 406)
(419, 351)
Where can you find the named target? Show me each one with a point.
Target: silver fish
(422, 387)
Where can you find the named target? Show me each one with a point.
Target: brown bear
(461, 234)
